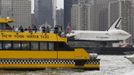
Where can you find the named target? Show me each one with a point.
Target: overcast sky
(59, 4)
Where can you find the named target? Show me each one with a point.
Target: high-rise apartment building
(90, 15)
(45, 11)
(67, 12)
(17, 9)
(132, 19)
(60, 17)
(127, 13)
(80, 15)
(75, 17)
(113, 11)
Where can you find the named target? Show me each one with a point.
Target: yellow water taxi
(26, 50)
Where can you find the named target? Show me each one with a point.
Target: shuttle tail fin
(116, 24)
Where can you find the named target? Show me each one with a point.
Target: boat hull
(47, 59)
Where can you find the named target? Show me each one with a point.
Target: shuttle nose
(128, 35)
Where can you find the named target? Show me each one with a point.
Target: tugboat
(39, 50)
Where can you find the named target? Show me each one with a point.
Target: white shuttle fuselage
(113, 34)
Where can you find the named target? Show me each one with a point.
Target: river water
(110, 65)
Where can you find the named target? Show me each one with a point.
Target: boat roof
(6, 20)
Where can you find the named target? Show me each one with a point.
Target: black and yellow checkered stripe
(96, 61)
(43, 61)
(35, 61)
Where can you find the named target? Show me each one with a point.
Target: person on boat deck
(16, 29)
(47, 29)
(21, 29)
(43, 29)
(29, 29)
(13, 28)
(56, 29)
(34, 28)
(25, 29)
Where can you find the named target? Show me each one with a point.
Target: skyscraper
(67, 12)
(59, 17)
(113, 11)
(45, 11)
(17, 9)
(80, 15)
(132, 19)
(127, 8)
(89, 15)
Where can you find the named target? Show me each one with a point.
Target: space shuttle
(112, 34)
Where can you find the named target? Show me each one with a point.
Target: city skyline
(45, 11)
(60, 4)
(20, 10)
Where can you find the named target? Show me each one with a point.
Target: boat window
(0, 45)
(1, 26)
(16, 45)
(25, 45)
(43, 45)
(7, 45)
(62, 46)
(51, 46)
(34, 46)
(5, 26)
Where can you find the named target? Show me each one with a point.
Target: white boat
(130, 58)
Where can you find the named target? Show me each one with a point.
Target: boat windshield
(4, 26)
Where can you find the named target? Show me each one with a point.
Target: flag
(69, 28)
